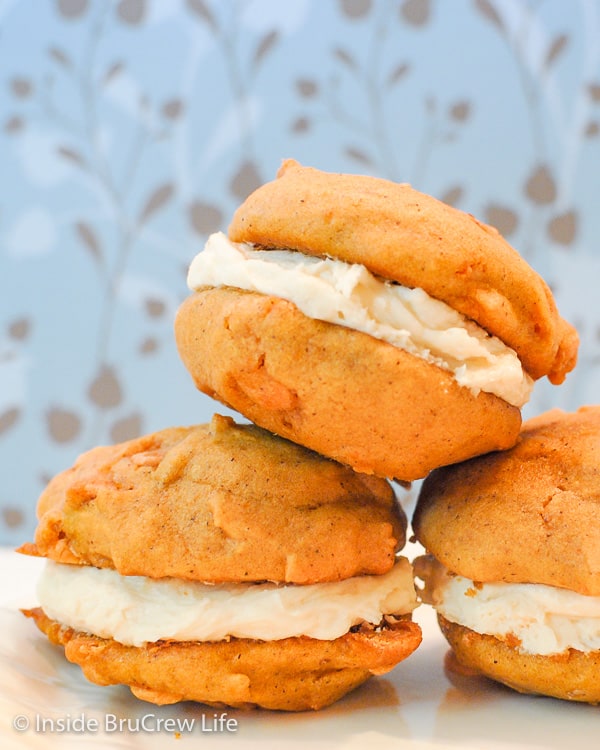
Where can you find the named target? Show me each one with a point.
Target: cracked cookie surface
(219, 502)
(409, 237)
(528, 515)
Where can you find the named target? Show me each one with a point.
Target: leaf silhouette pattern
(139, 126)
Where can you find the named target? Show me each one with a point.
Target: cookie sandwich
(222, 564)
(370, 323)
(513, 565)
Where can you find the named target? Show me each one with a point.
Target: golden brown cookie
(513, 568)
(571, 675)
(396, 399)
(293, 674)
(529, 514)
(342, 393)
(403, 235)
(224, 503)
(219, 502)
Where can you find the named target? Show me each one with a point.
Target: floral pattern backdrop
(130, 129)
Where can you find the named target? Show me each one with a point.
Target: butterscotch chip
(293, 674)
(403, 235)
(527, 515)
(219, 502)
(571, 675)
(340, 392)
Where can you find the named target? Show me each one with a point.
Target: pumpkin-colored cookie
(542, 496)
(371, 323)
(343, 393)
(292, 674)
(406, 236)
(513, 563)
(571, 675)
(219, 502)
(220, 563)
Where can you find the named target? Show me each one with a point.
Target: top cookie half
(530, 514)
(219, 502)
(407, 237)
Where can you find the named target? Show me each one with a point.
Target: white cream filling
(135, 610)
(544, 619)
(349, 295)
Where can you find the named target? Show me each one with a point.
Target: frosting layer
(537, 618)
(135, 610)
(349, 295)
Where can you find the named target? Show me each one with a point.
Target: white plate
(418, 706)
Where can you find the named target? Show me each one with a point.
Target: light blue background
(183, 107)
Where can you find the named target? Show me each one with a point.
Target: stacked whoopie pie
(368, 333)
(371, 323)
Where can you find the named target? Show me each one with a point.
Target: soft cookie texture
(572, 675)
(226, 502)
(406, 236)
(343, 393)
(219, 502)
(293, 674)
(362, 401)
(527, 515)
